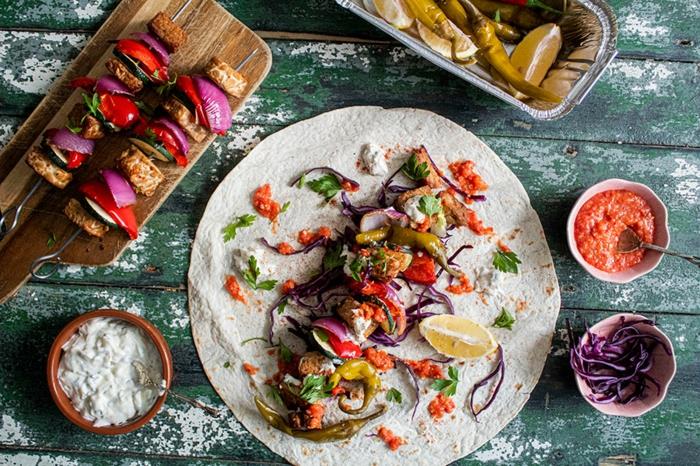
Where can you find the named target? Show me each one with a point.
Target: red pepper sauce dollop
(264, 204)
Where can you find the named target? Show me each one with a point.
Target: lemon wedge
(394, 12)
(457, 337)
(465, 47)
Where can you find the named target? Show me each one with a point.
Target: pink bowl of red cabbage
(623, 365)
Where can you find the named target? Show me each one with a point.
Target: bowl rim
(609, 409)
(64, 403)
(660, 216)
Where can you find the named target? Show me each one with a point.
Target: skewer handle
(246, 60)
(5, 230)
(40, 261)
(180, 10)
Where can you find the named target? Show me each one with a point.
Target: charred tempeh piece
(142, 173)
(78, 215)
(227, 78)
(47, 169)
(172, 35)
(185, 119)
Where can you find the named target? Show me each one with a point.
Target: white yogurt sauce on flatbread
(97, 371)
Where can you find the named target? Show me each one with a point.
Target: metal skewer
(54, 258)
(6, 230)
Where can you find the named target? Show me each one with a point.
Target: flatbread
(220, 324)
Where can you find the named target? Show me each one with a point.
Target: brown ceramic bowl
(61, 399)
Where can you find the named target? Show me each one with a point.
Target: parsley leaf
(356, 267)
(166, 87)
(315, 388)
(92, 103)
(506, 261)
(413, 170)
(244, 221)
(504, 320)
(251, 276)
(429, 205)
(334, 257)
(227, 364)
(274, 393)
(247, 340)
(327, 186)
(282, 307)
(394, 395)
(51, 241)
(285, 206)
(447, 386)
(285, 353)
(302, 181)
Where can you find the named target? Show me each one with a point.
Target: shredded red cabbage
(320, 241)
(442, 297)
(354, 213)
(499, 370)
(473, 197)
(416, 388)
(451, 259)
(616, 368)
(341, 178)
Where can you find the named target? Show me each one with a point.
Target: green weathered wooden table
(641, 121)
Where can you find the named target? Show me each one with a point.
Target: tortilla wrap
(220, 324)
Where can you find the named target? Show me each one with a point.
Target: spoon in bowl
(630, 242)
(147, 381)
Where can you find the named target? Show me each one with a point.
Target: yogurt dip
(97, 371)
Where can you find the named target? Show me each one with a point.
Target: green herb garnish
(506, 261)
(227, 365)
(285, 206)
(414, 170)
(356, 267)
(315, 388)
(504, 320)
(285, 353)
(166, 87)
(92, 103)
(302, 181)
(251, 276)
(497, 16)
(51, 241)
(447, 386)
(327, 186)
(73, 127)
(244, 221)
(275, 395)
(282, 307)
(429, 205)
(394, 395)
(334, 257)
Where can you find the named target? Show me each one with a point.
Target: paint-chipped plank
(642, 102)
(563, 429)
(661, 29)
(553, 173)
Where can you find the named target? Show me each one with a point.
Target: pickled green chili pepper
(340, 431)
(432, 17)
(493, 51)
(372, 236)
(428, 241)
(357, 369)
(456, 13)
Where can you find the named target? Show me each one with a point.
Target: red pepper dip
(264, 204)
(440, 406)
(601, 220)
(463, 287)
(392, 441)
(381, 360)
(250, 369)
(234, 289)
(425, 369)
(468, 179)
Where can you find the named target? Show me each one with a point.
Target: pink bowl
(663, 370)
(662, 237)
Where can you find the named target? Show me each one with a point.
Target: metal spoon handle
(692, 259)
(195, 403)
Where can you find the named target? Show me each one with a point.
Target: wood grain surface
(640, 122)
(212, 31)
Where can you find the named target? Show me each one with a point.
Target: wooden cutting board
(211, 31)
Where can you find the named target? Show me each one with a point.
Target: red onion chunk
(155, 45)
(332, 325)
(121, 190)
(108, 84)
(182, 144)
(379, 218)
(65, 139)
(215, 104)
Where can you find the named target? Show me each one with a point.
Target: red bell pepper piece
(155, 70)
(164, 135)
(184, 84)
(421, 270)
(345, 349)
(75, 159)
(98, 192)
(368, 287)
(83, 82)
(119, 110)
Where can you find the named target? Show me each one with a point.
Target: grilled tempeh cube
(185, 119)
(167, 31)
(228, 79)
(78, 215)
(143, 174)
(122, 73)
(47, 169)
